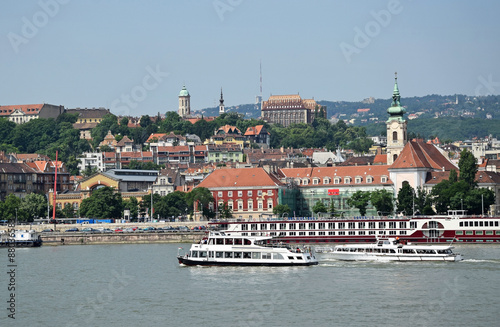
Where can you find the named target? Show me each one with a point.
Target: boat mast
(55, 189)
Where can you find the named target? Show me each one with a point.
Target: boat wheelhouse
(21, 238)
(392, 249)
(431, 229)
(226, 249)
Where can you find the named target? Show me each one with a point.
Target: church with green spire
(396, 126)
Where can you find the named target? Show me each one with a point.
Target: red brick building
(249, 192)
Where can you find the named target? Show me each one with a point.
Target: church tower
(221, 103)
(184, 103)
(396, 126)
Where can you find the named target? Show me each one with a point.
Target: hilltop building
(184, 103)
(23, 113)
(290, 109)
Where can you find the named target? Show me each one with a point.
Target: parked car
(74, 229)
(118, 230)
(88, 230)
(149, 229)
(48, 230)
(183, 228)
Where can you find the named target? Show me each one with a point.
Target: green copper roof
(396, 111)
(184, 92)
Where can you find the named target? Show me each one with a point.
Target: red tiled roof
(380, 159)
(417, 154)
(255, 130)
(239, 177)
(33, 109)
(376, 172)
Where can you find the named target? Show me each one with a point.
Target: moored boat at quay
(226, 249)
(21, 238)
(417, 229)
(392, 249)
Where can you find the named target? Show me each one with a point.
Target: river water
(143, 285)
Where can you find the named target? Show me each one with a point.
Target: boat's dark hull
(21, 244)
(190, 262)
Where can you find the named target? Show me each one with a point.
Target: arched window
(394, 136)
(394, 157)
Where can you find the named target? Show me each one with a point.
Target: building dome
(184, 92)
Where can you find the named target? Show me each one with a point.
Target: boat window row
(388, 251)
(332, 233)
(239, 255)
(230, 241)
(479, 223)
(325, 226)
(477, 232)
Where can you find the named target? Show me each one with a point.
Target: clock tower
(396, 126)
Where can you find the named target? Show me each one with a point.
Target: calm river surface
(142, 285)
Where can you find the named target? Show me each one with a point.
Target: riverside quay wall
(121, 238)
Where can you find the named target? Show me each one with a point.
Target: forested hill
(453, 117)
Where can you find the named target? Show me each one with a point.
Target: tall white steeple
(221, 103)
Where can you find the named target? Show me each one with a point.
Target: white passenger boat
(391, 249)
(223, 249)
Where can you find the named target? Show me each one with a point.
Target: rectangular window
(302, 233)
(413, 224)
(331, 233)
(468, 232)
(291, 226)
(459, 232)
(351, 232)
(253, 226)
(282, 226)
(488, 232)
(361, 226)
(263, 226)
(270, 192)
(341, 225)
(259, 193)
(272, 226)
(219, 194)
(240, 194)
(479, 232)
(321, 225)
(302, 225)
(331, 225)
(381, 225)
(244, 226)
(249, 193)
(371, 225)
(230, 194)
(312, 225)
(312, 233)
(351, 225)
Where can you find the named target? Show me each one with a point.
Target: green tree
(359, 200)
(103, 203)
(203, 197)
(10, 205)
(133, 205)
(331, 208)
(383, 201)
(281, 209)
(406, 196)
(68, 211)
(319, 207)
(225, 211)
(468, 168)
(34, 206)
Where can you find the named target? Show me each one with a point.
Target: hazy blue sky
(134, 56)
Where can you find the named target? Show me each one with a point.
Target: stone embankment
(120, 238)
(60, 237)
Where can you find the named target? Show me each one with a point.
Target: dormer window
(326, 180)
(347, 180)
(358, 179)
(315, 181)
(369, 179)
(383, 179)
(305, 181)
(336, 180)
